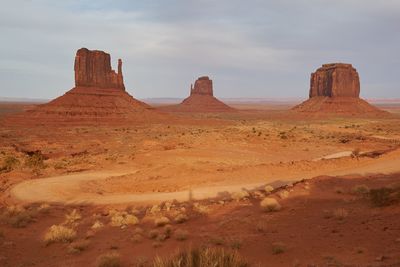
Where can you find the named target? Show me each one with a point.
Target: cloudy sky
(253, 48)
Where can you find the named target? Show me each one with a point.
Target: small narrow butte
(201, 99)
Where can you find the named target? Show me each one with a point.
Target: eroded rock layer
(335, 80)
(93, 69)
(201, 99)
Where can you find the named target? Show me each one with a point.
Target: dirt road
(69, 189)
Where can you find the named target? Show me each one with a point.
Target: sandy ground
(72, 189)
(202, 161)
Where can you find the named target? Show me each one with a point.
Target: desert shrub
(161, 221)
(78, 246)
(360, 189)
(204, 257)
(162, 237)
(240, 195)
(35, 161)
(270, 204)
(119, 219)
(110, 259)
(283, 194)
(278, 248)
(44, 208)
(181, 218)
(17, 216)
(268, 189)
(156, 244)
(340, 213)
(181, 235)
(97, 225)
(59, 233)
(380, 197)
(218, 241)
(201, 209)
(235, 244)
(137, 238)
(9, 163)
(168, 230)
(72, 217)
(153, 233)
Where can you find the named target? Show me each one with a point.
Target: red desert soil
(322, 223)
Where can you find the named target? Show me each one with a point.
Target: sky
(253, 48)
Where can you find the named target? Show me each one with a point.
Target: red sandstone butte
(335, 80)
(93, 69)
(201, 99)
(202, 86)
(335, 89)
(98, 97)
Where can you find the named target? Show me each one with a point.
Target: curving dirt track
(70, 189)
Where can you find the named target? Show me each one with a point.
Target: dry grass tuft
(278, 248)
(122, 218)
(9, 164)
(204, 257)
(153, 234)
(59, 233)
(360, 189)
(111, 259)
(72, 217)
(268, 189)
(340, 213)
(240, 195)
(17, 216)
(181, 235)
(161, 221)
(97, 225)
(78, 246)
(181, 218)
(201, 209)
(269, 204)
(283, 194)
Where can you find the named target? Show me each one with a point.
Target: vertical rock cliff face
(93, 69)
(335, 89)
(335, 80)
(202, 86)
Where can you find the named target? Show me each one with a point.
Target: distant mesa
(335, 89)
(202, 86)
(201, 99)
(99, 96)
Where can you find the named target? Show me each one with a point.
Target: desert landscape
(100, 177)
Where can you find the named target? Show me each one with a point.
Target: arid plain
(135, 167)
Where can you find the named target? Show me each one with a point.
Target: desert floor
(110, 185)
